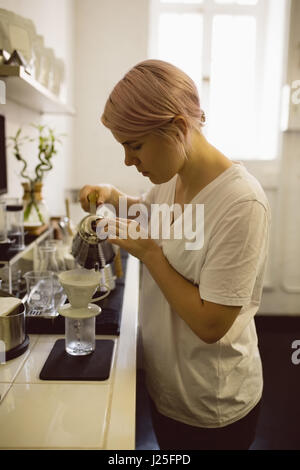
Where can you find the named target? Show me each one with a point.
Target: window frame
(208, 8)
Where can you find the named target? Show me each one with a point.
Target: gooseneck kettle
(88, 249)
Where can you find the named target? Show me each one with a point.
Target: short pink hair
(147, 99)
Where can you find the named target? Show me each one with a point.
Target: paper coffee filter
(80, 277)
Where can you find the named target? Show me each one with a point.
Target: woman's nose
(130, 159)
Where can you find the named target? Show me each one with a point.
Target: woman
(203, 368)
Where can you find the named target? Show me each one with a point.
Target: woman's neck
(202, 165)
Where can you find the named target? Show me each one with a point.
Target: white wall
(111, 37)
(55, 20)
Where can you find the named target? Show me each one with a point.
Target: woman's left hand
(128, 234)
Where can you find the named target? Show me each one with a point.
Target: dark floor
(279, 421)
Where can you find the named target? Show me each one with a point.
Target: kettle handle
(93, 200)
(118, 264)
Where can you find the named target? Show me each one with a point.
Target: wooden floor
(279, 421)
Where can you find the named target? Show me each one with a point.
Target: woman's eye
(138, 147)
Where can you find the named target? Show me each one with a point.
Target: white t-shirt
(200, 384)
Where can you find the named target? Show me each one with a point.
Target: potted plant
(35, 209)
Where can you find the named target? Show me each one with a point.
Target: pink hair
(147, 99)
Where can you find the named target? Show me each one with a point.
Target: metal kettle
(88, 250)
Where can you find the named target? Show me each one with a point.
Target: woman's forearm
(182, 295)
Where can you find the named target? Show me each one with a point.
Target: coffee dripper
(80, 285)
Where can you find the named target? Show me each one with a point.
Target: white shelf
(22, 89)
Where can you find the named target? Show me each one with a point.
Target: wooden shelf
(22, 89)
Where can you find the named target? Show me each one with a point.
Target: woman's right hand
(103, 191)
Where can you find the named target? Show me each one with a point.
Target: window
(233, 50)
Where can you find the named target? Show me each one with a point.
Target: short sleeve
(236, 251)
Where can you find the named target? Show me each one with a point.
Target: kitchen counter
(38, 414)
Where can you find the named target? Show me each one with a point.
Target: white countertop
(37, 414)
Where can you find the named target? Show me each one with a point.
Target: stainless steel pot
(12, 331)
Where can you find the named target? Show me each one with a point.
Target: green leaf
(27, 211)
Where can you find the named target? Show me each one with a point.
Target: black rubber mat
(95, 366)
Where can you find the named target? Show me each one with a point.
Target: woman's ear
(181, 123)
